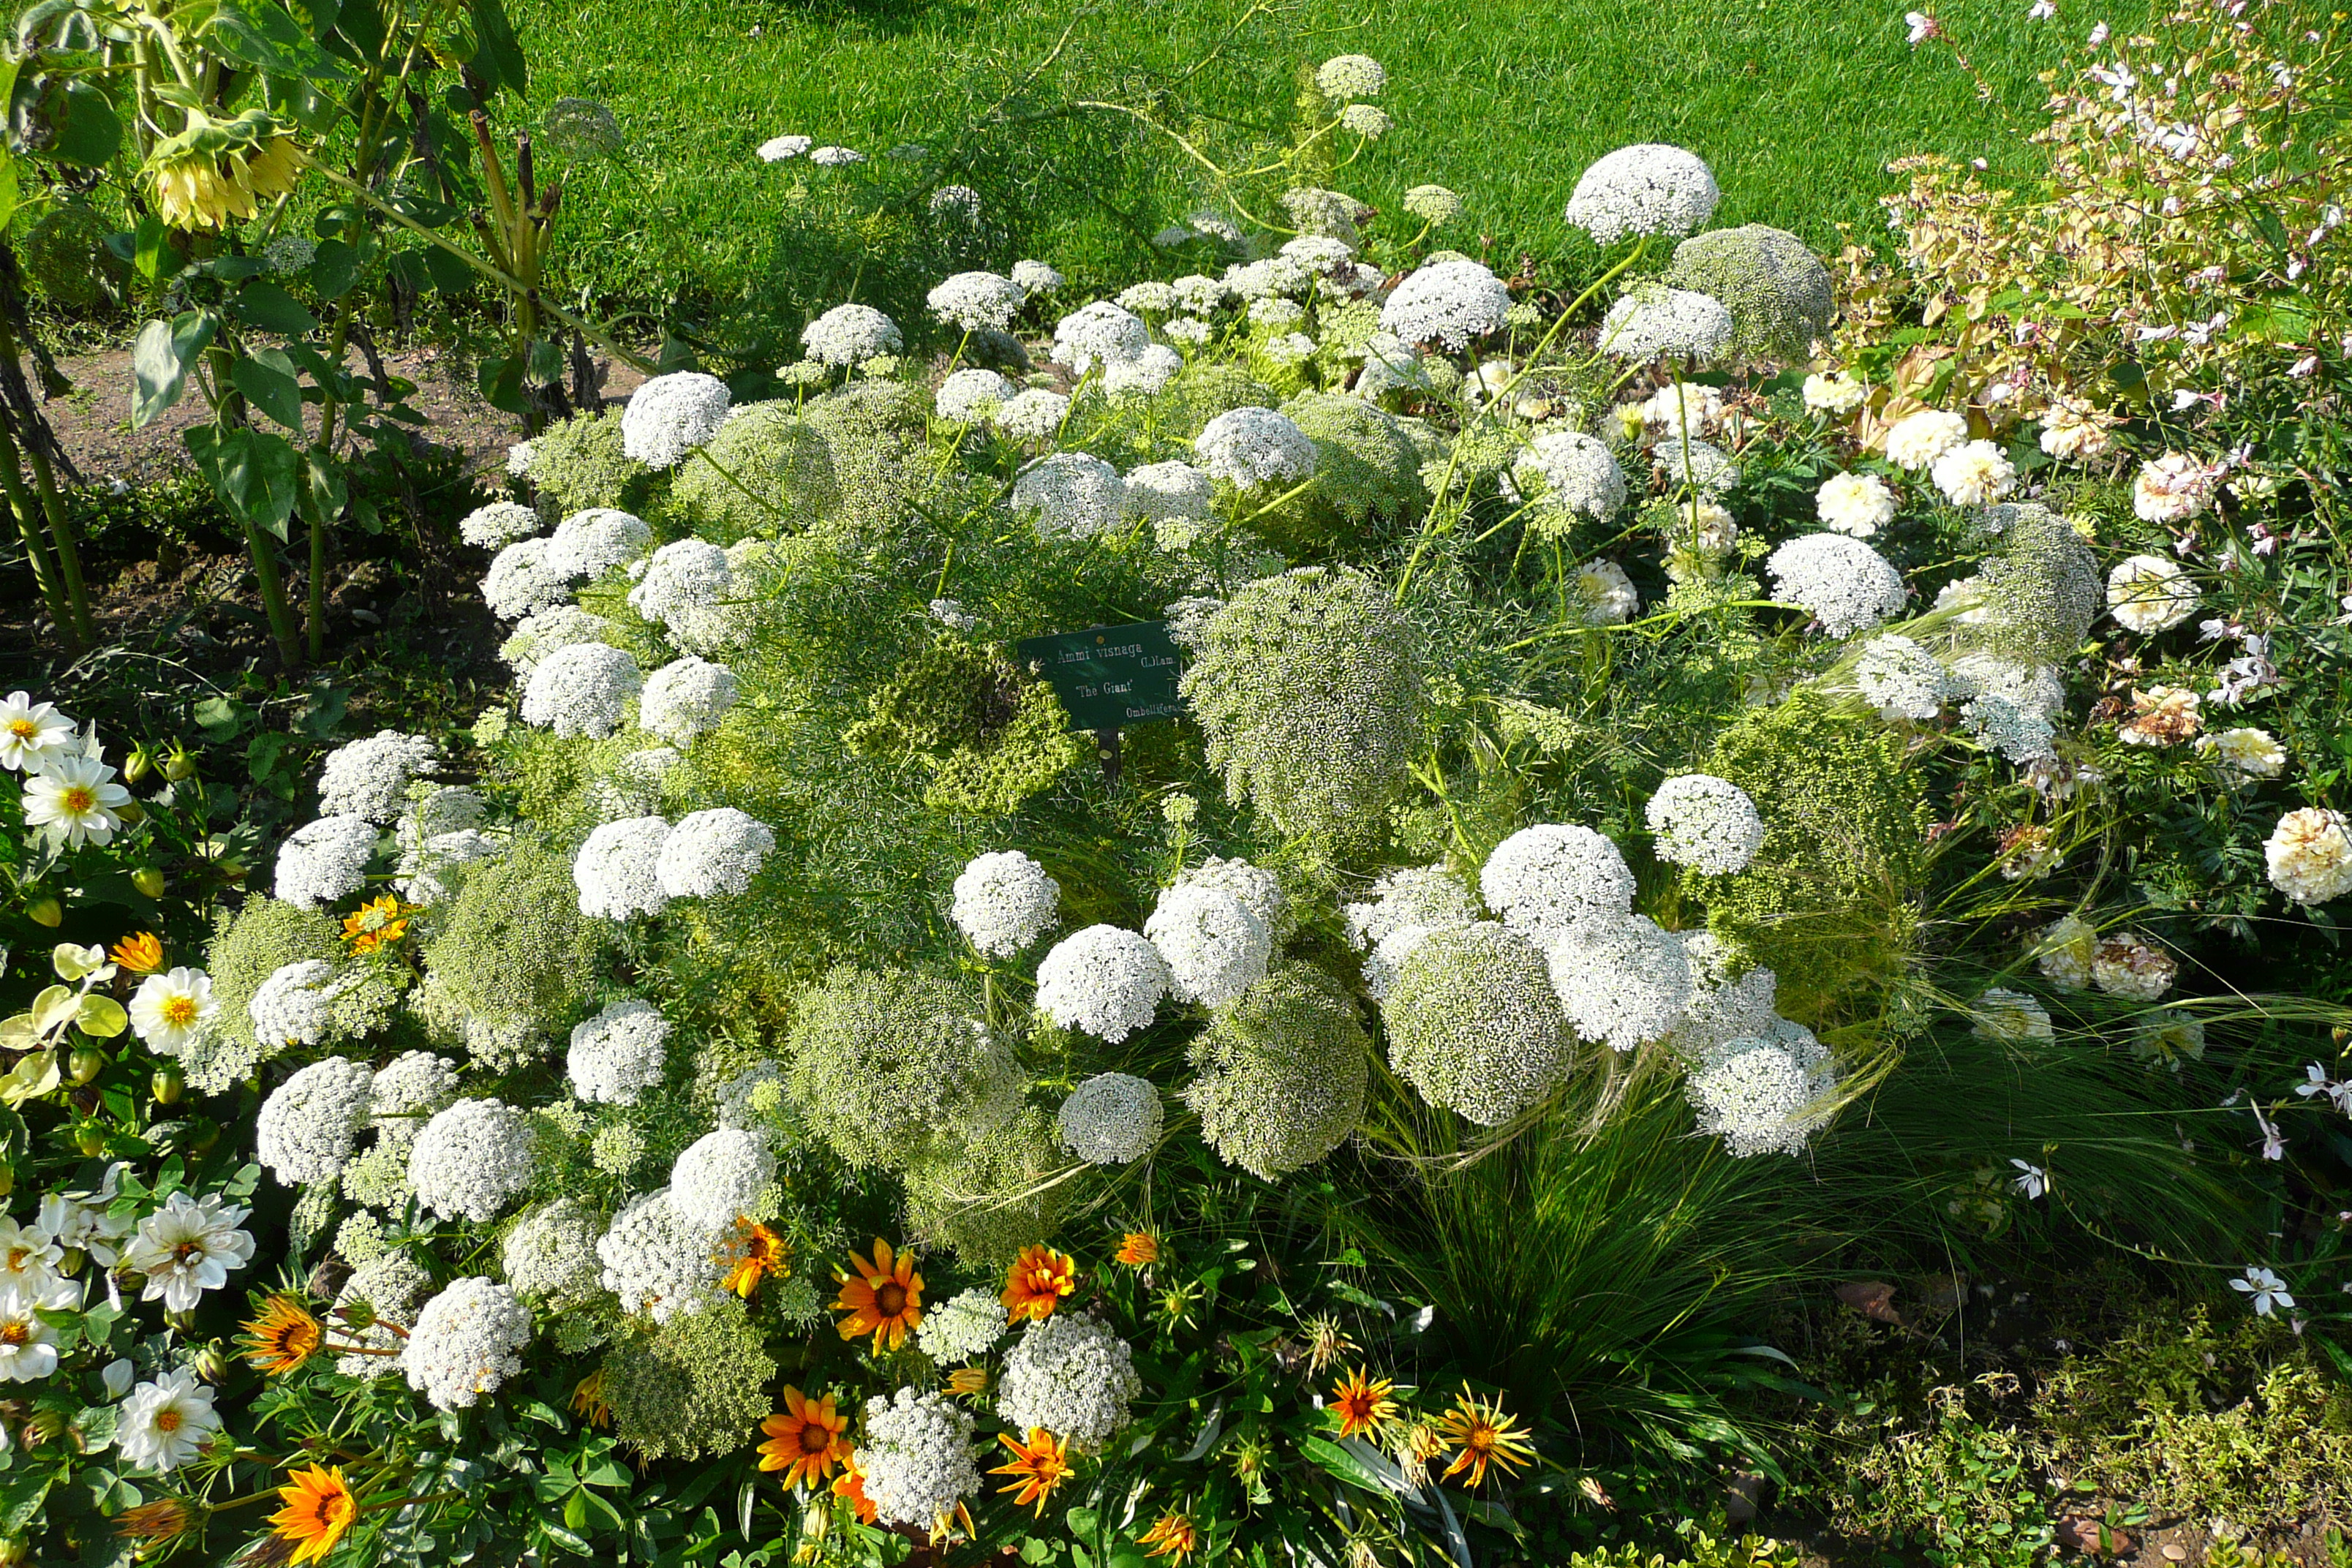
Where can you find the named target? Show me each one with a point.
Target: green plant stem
(78, 623)
(21, 503)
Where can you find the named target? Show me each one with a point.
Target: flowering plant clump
(1225, 888)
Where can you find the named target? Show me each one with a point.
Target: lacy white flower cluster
(1071, 1375)
(1111, 1118)
(591, 544)
(325, 861)
(720, 1176)
(1572, 473)
(1545, 879)
(1764, 1095)
(1254, 447)
(618, 1055)
(713, 852)
(472, 1160)
(967, 396)
(1104, 980)
(1843, 583)
(966, 1325)
(468, 1340)
(656, 1261)
(295, 1005)
(1101, 333)
(917, 1457)
(1004, 901)
(618, 869)
(520, 583)
(686, 698)
(499, 523)
(305, 1131)
(582, 689)
(1448, 302)
(369, 779)
(1406, 906)
(537, 636)
(669, 415)
(1648, 188)
(1620, 983)
(550, 1254)
(1654, 320)
(1706, 822)
(685, 581)
(1900, 678)
(977, 302)
(393, 1286)
(851, 334)
(1070, 495)
(1214, 945)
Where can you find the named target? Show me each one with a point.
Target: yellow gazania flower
(1172, 1534)
(141, 953)
(968, 1381)
(318, 1508)
(1037, 1283)
(763, 1253)
(805, 1439)
(1037, 1466)
(1362, 1405)
(153, 1523)
(883, 1297)
(376, 923)
(283, 1337)
(1138, 1249)
(588, 1400)
(1484, 1434)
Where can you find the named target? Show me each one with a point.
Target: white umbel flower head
(917, 1459)
(1070, 495)
(1917, 439)
(1099, 334)
(294, 1006)
(1345, 78)
(170, 1011)
(1857, 505)
(967, 1325)
(968, 397)
(670, 415)
(1762, 1096)
(1648, 188)
(519, 582)
(166, 1423)
(1572, 473)
(713, 852)
(1111, 1118)
(1473, 1023)
(1102, 980)
(656, 1261)
(1175, 493)
(1448, 302)
(1215, 946)
(468, 1340)
(370, 778)
(472, 1160)
(306, 1128)
(1706, 822)
(1412, 896)
(583, 690)
(1999, 1014)
(1036, 276)
(1845, 584)
(1146, 376)
(536, 636)
(720, 1176)
(684, 576)
(325, 861)
(618, 1055)
(1254, 447)
(1545, 879)
(1654, 320)
(1620, 983)
(2309, 855)
(406, 1092)
(851, 334)
(1035, 414)
(550, 1254)
(1900, 678)
(187, 1247)
(1070, 1375)
(499, 523)
(776, 149)
(618, 870)
(1004, 901)
(687, 699)
(591, 544)
(977, 302)
(1974, 473)
(2147, 593)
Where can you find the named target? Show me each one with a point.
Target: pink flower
(1922, 27)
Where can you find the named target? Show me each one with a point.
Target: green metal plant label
(1109, 676)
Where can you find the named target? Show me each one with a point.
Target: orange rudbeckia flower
(1037, 1466)
(141, 953)
(850, 1488)
(805, 1439)
(1138, 1249)
(1362, 1405)
(883, 1297)
(1037, 1283)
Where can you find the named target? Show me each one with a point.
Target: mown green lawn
(1797, 104)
